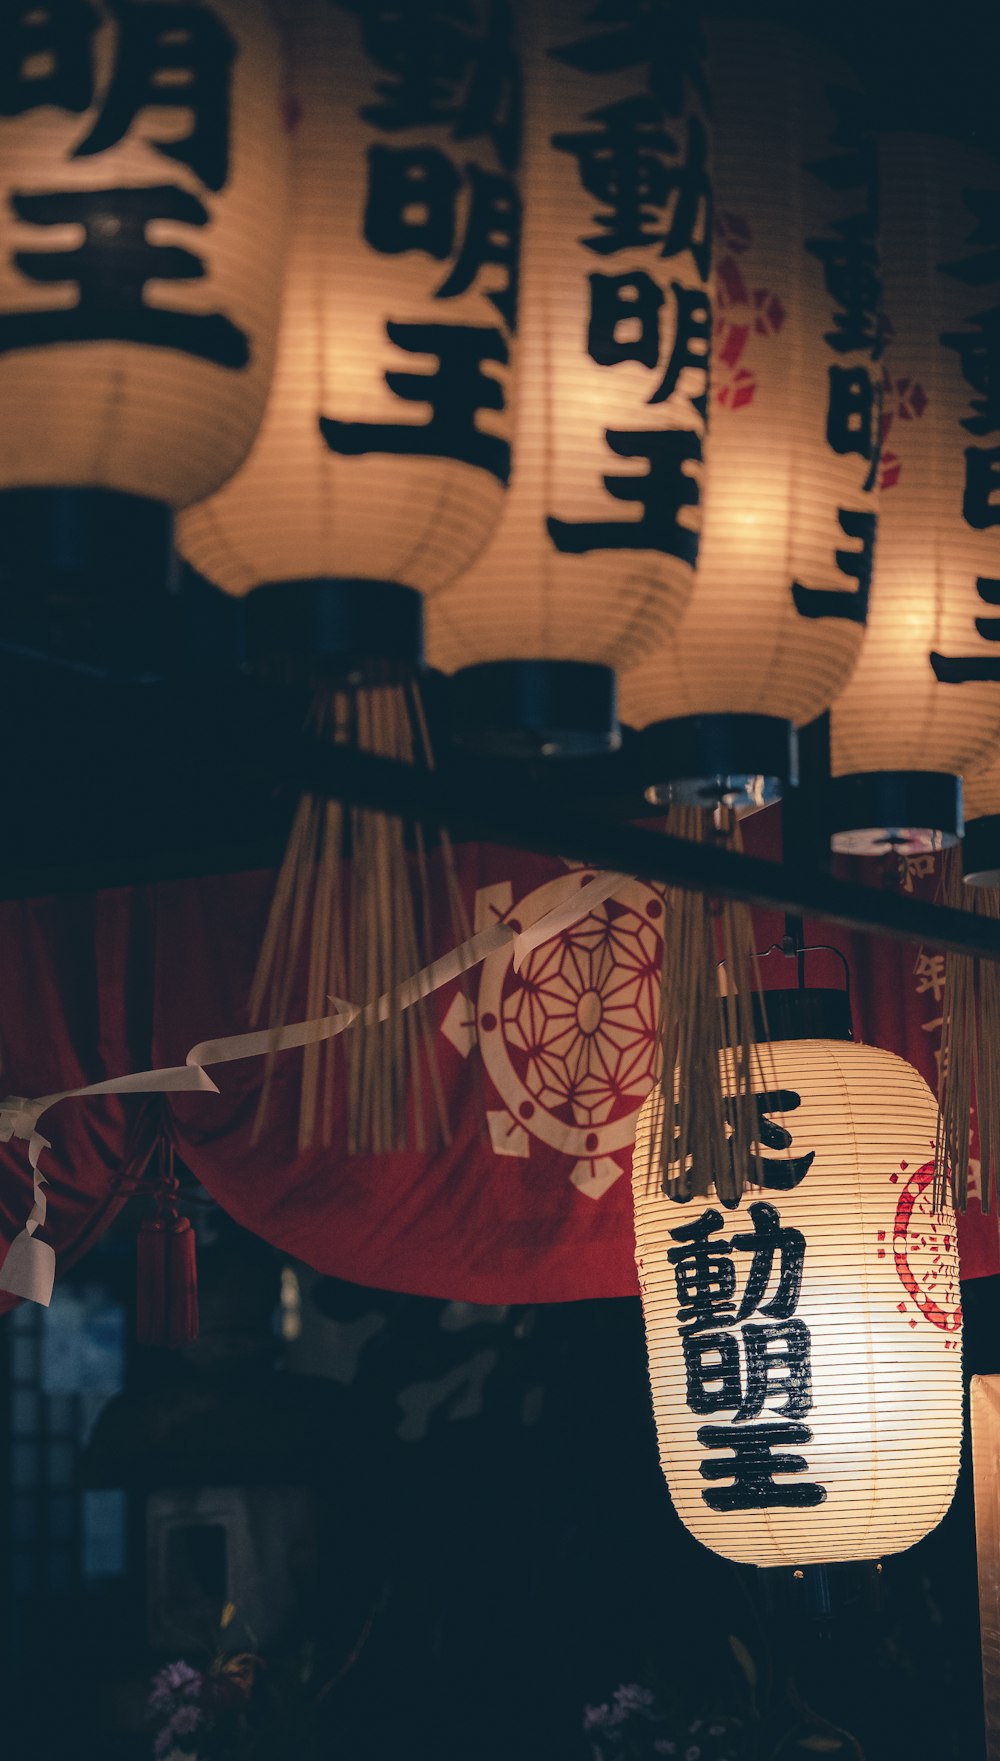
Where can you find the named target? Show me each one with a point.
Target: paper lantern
(922, 706)
(595, 551)
(142, 203)
(804, 1347)
(384, 454)
(379, 472)
(788, 504)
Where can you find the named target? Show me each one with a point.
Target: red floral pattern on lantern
(923, 1245)
(741, 315)
(903, 400)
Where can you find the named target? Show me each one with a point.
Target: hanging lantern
(596, 547)
(384, 455)
(804, 1346)
(142, 199)
(788, 505)
(379, 472)
(922, 706)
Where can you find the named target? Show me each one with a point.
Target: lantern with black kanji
(594, 554)
(142, 218)
(379, 472)
(805, 1344)
(923, 706)
(385, 451)
(788, 511)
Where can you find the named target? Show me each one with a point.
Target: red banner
(543, 1071)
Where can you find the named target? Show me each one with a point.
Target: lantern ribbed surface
(156, 389)
(344, 480)
(925, 694)
(855, 1302)
(587, 564)
(757, 637)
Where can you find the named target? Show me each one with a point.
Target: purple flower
(176, 1681)
(182, 1723)
(663, 1746)
(632, 1698)
(185, 1720)
(599, 1717)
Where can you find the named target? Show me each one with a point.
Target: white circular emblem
(569, 1041)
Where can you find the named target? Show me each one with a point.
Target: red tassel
(166, 1309)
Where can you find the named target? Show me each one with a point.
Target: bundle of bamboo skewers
(353, 904)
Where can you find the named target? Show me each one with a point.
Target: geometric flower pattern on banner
(568, 1043)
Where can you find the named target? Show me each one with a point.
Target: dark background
(497, 1574)
(493, 1547)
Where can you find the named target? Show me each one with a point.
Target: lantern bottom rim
(528, 709)
(356, 631)
(981, 851)
(739, 761)
(911, 812)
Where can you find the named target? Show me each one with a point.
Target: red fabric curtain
(542, 1072)
(75, 1008)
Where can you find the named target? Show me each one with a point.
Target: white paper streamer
(29, 1268)
(307, 1033)
(578, 905)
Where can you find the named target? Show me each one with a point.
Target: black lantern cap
(812, 1013)
(801, 1011)
(909, 811)
(87, 580)
(606, 784)
(361, 631)
(981, 851)
(702, 760)
(795, 1013)
(536, 709)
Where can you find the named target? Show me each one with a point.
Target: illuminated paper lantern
(378, 474)
(594, 554)
(384, 454)
(788, 502)
(142, 203)
(922, 706)
(804, 1347)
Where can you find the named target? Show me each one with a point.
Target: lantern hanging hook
(792, 947)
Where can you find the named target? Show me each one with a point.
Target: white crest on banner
(567, 1030)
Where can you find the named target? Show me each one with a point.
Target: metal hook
(791, 947)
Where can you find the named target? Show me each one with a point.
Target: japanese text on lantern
(456, 79)
(777, 1173)
(848, 254)
(978, 351)
(644, 160)
(167, 57)
(750, 1357)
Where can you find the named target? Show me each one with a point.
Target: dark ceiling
(931, 65)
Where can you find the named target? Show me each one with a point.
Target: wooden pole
(985, 1405)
